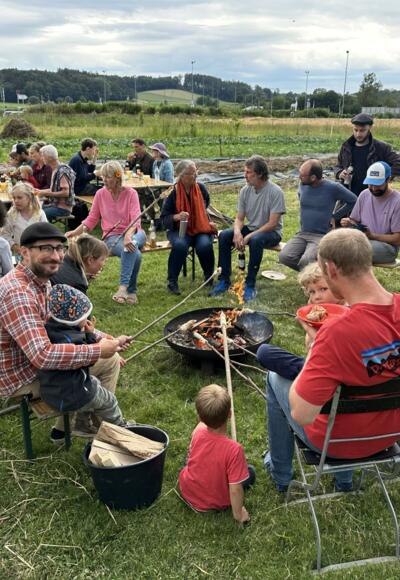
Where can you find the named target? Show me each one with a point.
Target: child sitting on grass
(74, 389)
(216, 472)
(278, 359)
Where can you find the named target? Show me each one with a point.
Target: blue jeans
(203, 246)
(280, 361)
(130, 261)
(281, 439)
(257, 244)
(52, 211)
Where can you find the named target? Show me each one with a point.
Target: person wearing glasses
(25, 346)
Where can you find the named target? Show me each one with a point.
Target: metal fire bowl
(255, 326)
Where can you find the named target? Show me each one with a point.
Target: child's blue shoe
(250, 293)
(220, 288)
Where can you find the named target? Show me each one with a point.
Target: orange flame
(237, 289)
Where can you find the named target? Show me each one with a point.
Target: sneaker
(57, 436)
(220, 288)
(173, 288)
(250, 293)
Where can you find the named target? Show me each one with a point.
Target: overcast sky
(256, 41)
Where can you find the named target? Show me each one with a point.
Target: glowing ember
(210, 329)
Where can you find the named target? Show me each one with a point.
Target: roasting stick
(217, 272)
(264, 372)
(242, 348)
(246, 378)
(161, 196)
(228, 374)
(186, 326)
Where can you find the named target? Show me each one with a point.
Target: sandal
(131, 299)
(120, 296)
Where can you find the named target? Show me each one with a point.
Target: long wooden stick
(137, 218)
(245, 377)
(215, 273)
(228, 373)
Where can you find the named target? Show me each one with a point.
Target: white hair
(182, 166)
(49, 151)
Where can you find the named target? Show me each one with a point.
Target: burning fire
(237, 289)
(210, 329)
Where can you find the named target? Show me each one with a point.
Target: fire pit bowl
(253, 326)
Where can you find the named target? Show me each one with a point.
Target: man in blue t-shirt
(318, 198)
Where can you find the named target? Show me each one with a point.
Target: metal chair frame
(345, 401)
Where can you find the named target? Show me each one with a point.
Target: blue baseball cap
(378, 173)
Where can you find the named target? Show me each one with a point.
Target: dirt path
(280, 164)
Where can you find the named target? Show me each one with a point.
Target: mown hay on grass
(18, 129)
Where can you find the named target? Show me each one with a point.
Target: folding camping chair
(386, 396)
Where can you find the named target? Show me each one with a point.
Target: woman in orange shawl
(188, 201)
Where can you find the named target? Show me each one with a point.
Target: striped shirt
(24, 344)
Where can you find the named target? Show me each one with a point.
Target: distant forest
(67, 85)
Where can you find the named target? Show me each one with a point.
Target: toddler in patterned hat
(74, 389)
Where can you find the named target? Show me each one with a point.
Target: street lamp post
(104, 87)
(341, 113)
(307, 72)
(193, 62)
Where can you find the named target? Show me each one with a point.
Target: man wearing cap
(25, 346)
(360, 151)
(377, 214)
(21, 154)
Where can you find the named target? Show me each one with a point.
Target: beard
(45, 270)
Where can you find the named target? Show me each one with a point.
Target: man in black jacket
(360, 151)
(84, 165)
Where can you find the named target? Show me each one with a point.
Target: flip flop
(120, 297)
(131, 299)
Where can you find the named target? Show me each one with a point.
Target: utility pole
(307, 72)
(341, 113)
(193, 62)
(134, 79)
(104, 87)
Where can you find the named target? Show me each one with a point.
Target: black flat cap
(41, 231)
(362, 119)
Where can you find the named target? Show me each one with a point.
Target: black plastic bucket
(132, 486)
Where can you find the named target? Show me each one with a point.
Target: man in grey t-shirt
(262, 203)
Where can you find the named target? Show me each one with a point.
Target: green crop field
(54, 526)
(197, 137)
(171, 96)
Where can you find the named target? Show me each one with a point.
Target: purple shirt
(381, 215)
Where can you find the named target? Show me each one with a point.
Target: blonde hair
(112, 169)
(86, 246)
(349, 249)
(26, 169)
(310, 275)
(213, 405)
(26, 189)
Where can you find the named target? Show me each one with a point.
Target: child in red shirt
(26, 174)
(216, 473)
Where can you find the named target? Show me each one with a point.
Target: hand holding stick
(215, 273)
(228, 373)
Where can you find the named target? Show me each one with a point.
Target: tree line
(69, 85)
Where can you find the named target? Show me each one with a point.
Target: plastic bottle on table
(157, 174)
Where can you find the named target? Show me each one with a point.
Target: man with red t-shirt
(360, 348)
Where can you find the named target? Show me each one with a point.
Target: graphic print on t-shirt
(379, 359)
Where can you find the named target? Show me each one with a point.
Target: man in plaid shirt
(24, 344)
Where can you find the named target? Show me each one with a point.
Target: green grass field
(53, 525)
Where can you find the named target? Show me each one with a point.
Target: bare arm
(63, 192)
(269, 226)
(302, 412)
(237, 231)
(236, 495)
(393, 239)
